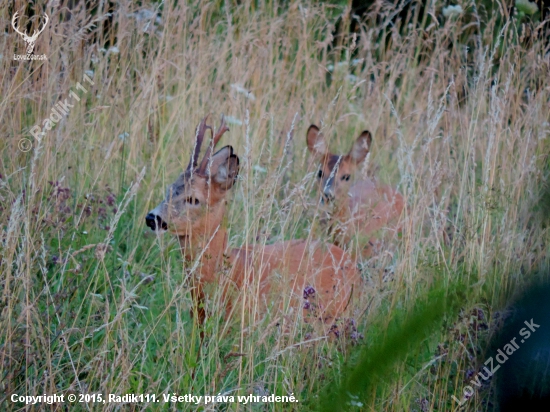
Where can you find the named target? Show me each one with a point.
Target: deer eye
(320, 174)
(192, 201)
(346, 177)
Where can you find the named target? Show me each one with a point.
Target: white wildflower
(233, 120)
(240, 89)
(452, 11)
(527, 6)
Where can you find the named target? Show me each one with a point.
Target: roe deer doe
(360, 208)
(320, 277)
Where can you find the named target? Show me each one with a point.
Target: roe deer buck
(320, 277)
(360, 209)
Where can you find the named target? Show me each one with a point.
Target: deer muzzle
(155, 222)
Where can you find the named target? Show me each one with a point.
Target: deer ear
(361, 147)
(225, 168)
(316, 141)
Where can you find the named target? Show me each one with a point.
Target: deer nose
(328, 192)
(155, 222)
(328, 196)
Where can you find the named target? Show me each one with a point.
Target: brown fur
(360, 209)
(194, 210)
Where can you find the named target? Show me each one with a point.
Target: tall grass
(92, 301)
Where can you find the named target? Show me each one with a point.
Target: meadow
(92, 301)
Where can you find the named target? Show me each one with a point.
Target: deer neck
(207, 243)
(337, 210)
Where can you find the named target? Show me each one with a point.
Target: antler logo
(30, 40)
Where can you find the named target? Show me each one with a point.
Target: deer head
(335, 172)
(196, 200)
(30, 40)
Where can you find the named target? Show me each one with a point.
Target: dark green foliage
(406, 332)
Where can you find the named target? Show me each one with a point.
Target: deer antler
(13, 23)
(199, 137)
(35, 34)
(221, 130)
